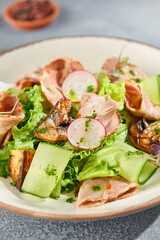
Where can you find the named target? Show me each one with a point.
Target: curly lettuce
(119, 159)
(115, 91)
(4, 162)
(23, 134)
(79, 159)
(101, 164)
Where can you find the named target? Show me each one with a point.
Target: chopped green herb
(13, 184)
(121, 71)
(130, 153)
(157, 130)
(72, 92)
(153, 123)
(138, 80)
(90, 88)
(106, 97)
(72, 95)
(96, 188)
(87, 124)
(49, 89)
(70, 200)
(123, 61)
(94, 115)
(78, 144)
(50, 170)
(53, 116)
(132, 72)
(81, 139)
(43, 130)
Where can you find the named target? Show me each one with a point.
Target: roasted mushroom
(54, 127)
(143, 135)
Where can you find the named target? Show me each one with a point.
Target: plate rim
(79, 217)
(79, 36)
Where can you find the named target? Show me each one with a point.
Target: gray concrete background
(137, 20)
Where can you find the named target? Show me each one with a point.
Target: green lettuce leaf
(74, 110)
(79, 159)
(101, 164)
(12, 90)
(115, 91)
(23, 134)
(69, 178)
(4, 162)
(119, 159)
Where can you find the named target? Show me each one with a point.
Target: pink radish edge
(91, 120)
(96, 81)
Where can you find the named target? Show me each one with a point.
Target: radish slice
(86, 133)
(77, 83)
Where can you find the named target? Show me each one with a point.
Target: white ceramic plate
(91, 52)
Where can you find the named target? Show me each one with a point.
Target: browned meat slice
(97, 191)
(28, 80)
(117, 70)
(7, 102)
(113, 124)
(53, 76)
(139, 103)
(19, 163)
(54, 127)
(111, 64)
(6, 138)
(104, 108)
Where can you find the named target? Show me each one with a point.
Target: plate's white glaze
(91, 52)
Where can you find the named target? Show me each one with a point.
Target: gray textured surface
(137, 20)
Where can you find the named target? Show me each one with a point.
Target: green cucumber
(46, 169)
(146, 173)
(57, 190)
(134, 168)
(152, 87)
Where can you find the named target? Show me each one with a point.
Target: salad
(64, 129)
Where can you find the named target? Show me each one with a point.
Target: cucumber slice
(146, 173)
(57, 190)
(152, 87)
(46, 169)
(135, 169)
